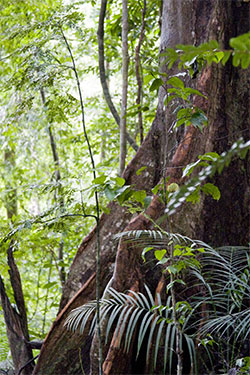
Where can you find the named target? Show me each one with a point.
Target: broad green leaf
(236, 59)
(159, 254)
(211, 189)
(199, 120)
(110, 193)
(245, 60)
(176, 82)
(148, 78)
(219, 56)
(227, 55)
(100, 180)
(194, 196)
(190, 91)
(139, 196)
(120, 181)
(210, 156)
(158, 82)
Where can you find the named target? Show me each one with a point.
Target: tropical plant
(215, 316)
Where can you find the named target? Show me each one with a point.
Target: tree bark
(218, 223)
(16, 320)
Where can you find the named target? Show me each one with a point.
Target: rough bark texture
(220, 223)
(16, 320)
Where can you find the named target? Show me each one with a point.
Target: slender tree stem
(138, 73)
(102, 72)
(125, 63)
(177, 327)
(97, 217)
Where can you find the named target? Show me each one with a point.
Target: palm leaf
(124, 314)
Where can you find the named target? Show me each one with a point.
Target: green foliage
(241, 50)
(225, 277)
(124, 311)
(210, 53)
(33, 60)
(190, 191)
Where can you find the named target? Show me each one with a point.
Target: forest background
(60, 129)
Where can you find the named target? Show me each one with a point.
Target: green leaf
(210, 156)
(139, 171)
(245, 61)
(211, 189)
(178, 251)
(158, 82)
(147, 201)
(198, 119)
(173, 269)
(190, 91)
(178, 281)
(123, 193)
(100, 180)
(241, 42)
(156, 189)
(219, 56)
(159, 254)
(148, 78)
(194, 196)
(227, 55)
(139, 196)
(169, 98)
(236, 59)
(213, 44)
(120, 181)
(49, 285)
(176, 82)
(110, 193)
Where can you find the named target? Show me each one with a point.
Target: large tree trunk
(218, 223)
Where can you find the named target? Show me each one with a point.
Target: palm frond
(124, 314)
(225, 274)
(159, 239)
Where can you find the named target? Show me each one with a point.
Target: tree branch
(137, 70)
(106, 93)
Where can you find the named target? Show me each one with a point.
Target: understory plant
(210, 306)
